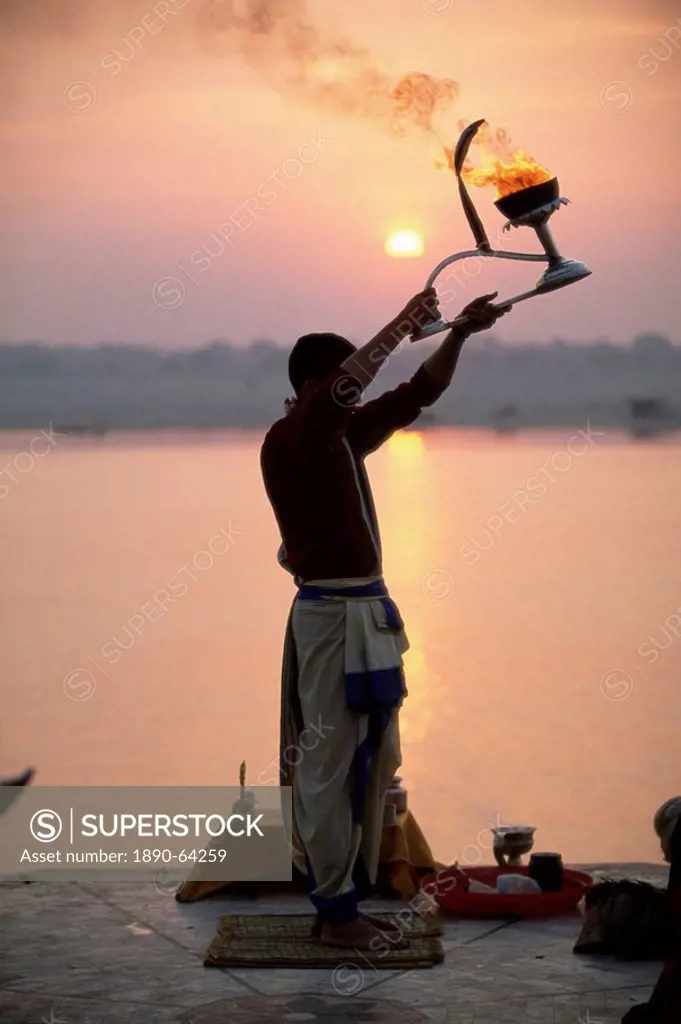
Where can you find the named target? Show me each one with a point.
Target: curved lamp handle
(443, 325)
(460, 154)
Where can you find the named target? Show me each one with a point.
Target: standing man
(343, 679)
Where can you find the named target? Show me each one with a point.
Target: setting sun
(404, 243)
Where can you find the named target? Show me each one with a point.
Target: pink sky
(112, 182)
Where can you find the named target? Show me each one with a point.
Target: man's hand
(419, 311)
(480, 315)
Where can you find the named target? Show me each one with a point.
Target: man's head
(315, 356)
(667, 819)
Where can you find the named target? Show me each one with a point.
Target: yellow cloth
(404, 858)
(405, 855)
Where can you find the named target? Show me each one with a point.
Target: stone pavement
(96, 953)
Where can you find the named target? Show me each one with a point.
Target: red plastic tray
(452, 897)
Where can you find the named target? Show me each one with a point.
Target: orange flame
(522, 172)
(506, 167)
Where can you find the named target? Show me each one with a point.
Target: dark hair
(314, 356)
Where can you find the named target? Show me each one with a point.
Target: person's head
(315, 356)
(666, 821)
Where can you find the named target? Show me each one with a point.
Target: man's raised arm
(374, 422)
(358, 371)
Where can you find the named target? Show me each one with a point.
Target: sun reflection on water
(405, 530)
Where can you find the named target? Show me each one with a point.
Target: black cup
(547, 871)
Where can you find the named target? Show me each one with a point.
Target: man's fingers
(481, 303)
(431, 307)
(489, 310)
(426, 300)
(482, 315)
(480, 319)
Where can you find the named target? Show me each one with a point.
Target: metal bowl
(513, 830)
(519, 204)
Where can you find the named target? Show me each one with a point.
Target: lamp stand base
(560, 273)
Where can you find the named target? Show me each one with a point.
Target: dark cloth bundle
(628, 920)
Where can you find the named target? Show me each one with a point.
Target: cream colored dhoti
(320, 738)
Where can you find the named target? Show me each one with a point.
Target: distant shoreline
(221, 387)
(12, 437)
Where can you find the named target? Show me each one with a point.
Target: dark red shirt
(312, 483)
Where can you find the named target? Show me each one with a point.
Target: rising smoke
(277, 38)
(312, 64)
(318, 66)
